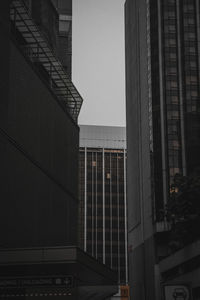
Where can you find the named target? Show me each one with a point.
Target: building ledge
(91, 278)
(37, 50)
(180, 257)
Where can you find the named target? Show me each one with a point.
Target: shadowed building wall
(163, 124)
(38, 152)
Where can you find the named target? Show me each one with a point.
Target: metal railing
(35, 47)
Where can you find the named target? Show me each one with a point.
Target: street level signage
(26, 282)
(177, 292)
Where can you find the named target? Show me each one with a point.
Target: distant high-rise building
(163, 123)
(102, 179)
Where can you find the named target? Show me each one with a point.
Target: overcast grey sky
(98, 60)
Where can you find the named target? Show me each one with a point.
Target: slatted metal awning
(37, 49)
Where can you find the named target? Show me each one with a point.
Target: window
(108, 175)
(65, 23)
(94, 163)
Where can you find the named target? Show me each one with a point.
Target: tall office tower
(39, 150)
(163, 124)
(103, 222)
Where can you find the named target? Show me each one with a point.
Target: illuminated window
(108, 176)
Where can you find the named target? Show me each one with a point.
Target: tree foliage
(183, 210)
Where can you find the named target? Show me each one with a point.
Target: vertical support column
(139, 136)
(104, 233)
(198, 33)
(111, 265)
(162, 106)
(181, 88)
(85, 204)
(118, 237)
(125, 220)
(93, 215)
(96, 202)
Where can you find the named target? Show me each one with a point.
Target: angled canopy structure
(37, 49)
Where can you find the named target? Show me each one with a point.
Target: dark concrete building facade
(163, 130)
(39, 150)
(39, 167)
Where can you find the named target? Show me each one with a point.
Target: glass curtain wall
(175, 82)
(102, 207)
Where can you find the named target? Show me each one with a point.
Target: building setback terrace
(39, 53)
